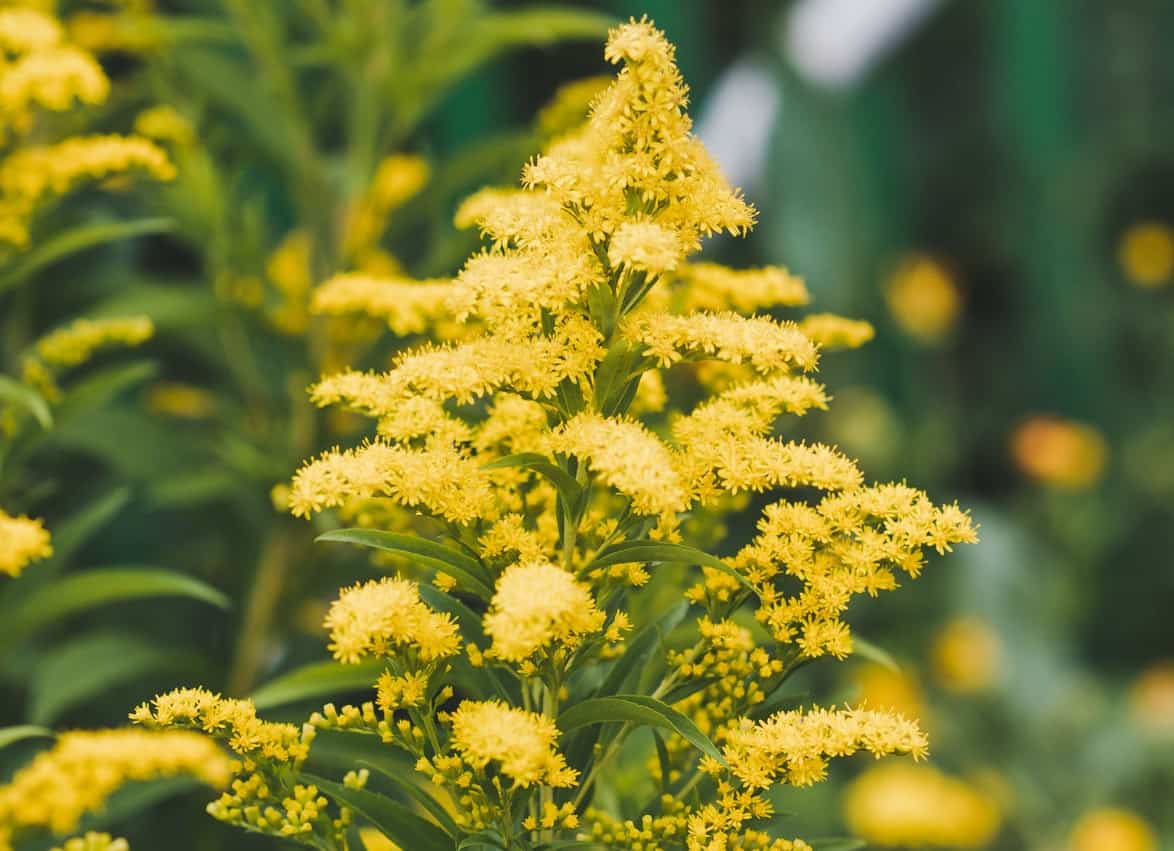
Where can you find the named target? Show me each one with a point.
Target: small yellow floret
(538, 605)
(22, 540)
(521, 743)
(386, 617)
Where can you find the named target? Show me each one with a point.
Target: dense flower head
(233, 720)
(83, 769)
(520, 744)
(793, 747)
(408, 306)
(538, 605)
(23, 540)
(386, 617)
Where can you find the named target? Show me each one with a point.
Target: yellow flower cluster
(93, 841)
(907, 806)
(851, 542)
(232, 720)
(386, 617)
(22, 540)
(535, 439)
(83, 769)
(794, 747)
(538, 606)
(408, 306)
(520, 744)
(77, 342)
(41, 73)
(441, 480)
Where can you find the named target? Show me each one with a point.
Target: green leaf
(663, 552)
(28, 398)
(462, 567)
(100, 387)
(80, 669)
(640, 710)
(873, 653)
(78, 239)
(9, 735)
(398, 778)
(836, 843)
(569, 489)
(318, 679)
(398, 823)
(80, 592)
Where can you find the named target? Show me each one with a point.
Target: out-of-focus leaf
(80, 669)
(462, 567)
(400, 824)
(98, 388)
(26, 397)
(80, 592)
(873, 653)
(172, 306)
(837, 843)
(133, 444)
(636, 709)
(316, 680)
(9, 735)
(78, 239)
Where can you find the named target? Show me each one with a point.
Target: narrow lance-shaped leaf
(462, 567)
(640, 710)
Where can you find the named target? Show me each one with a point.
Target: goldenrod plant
(516, 488)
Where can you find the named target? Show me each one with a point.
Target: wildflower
(913, 805)
(765, 344)
(793, 747)
(1146, 254)
(439, 479)
(83, 769)
(233, 721)
(712, 287)
(535, 606)
(521, 744)
(1151, 699)
(34, 173)
(385, 617)
(23, 540)
(645, 247)
(629, 458)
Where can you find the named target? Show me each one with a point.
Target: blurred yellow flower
(22, 540)
(967, 656)
(879, 687)
(1146, 254)
(1058, 452)
(1112, 829)
(916, 805)
(1151, 700)
(182, 401)
(923, 298)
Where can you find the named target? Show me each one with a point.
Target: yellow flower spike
(23, 540)
(714, 288)
(407, 306)
(537, 606)
(83, 769)
(381, 618)
(77, 342)
(93, 841)
(521, 744)
(829, 331)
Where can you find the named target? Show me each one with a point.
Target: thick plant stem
(252, 643)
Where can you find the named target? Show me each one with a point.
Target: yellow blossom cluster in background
(923, 298)
(1146, 254)
(1058, 452)
(913, 806)
(22, 541)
